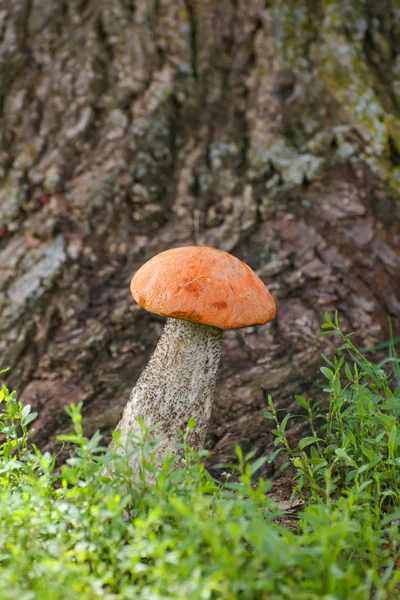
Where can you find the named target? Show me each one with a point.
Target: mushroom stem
(176, 385)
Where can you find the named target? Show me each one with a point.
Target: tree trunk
(269, 129)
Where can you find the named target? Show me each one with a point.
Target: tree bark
(268, 129)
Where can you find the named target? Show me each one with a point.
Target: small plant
(14, 427)
(354, 444)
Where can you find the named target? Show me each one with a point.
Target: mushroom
(202, 291)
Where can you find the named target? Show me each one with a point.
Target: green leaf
(394, 516)
(29, 418)
(257, 464)
(26, 410)
(68, 438)
(271, 457)
(336, 318)
(327, 360)
(344, 346)
(284, 422)
(302, 401)
(341, 452)
(116, 436)
(307, 441)
(391, 404)
(327, 372)
(348, 372)
(350, 476)
(268, 415)
(392, 440)
(336, 386)
(239, 452)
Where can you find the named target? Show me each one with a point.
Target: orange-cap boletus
(201, 291)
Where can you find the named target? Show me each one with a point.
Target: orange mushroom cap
(203, 285)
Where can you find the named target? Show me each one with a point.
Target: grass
(178, 533)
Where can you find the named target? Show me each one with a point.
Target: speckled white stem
(177, 384)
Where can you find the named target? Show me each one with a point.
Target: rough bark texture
(269, 129)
